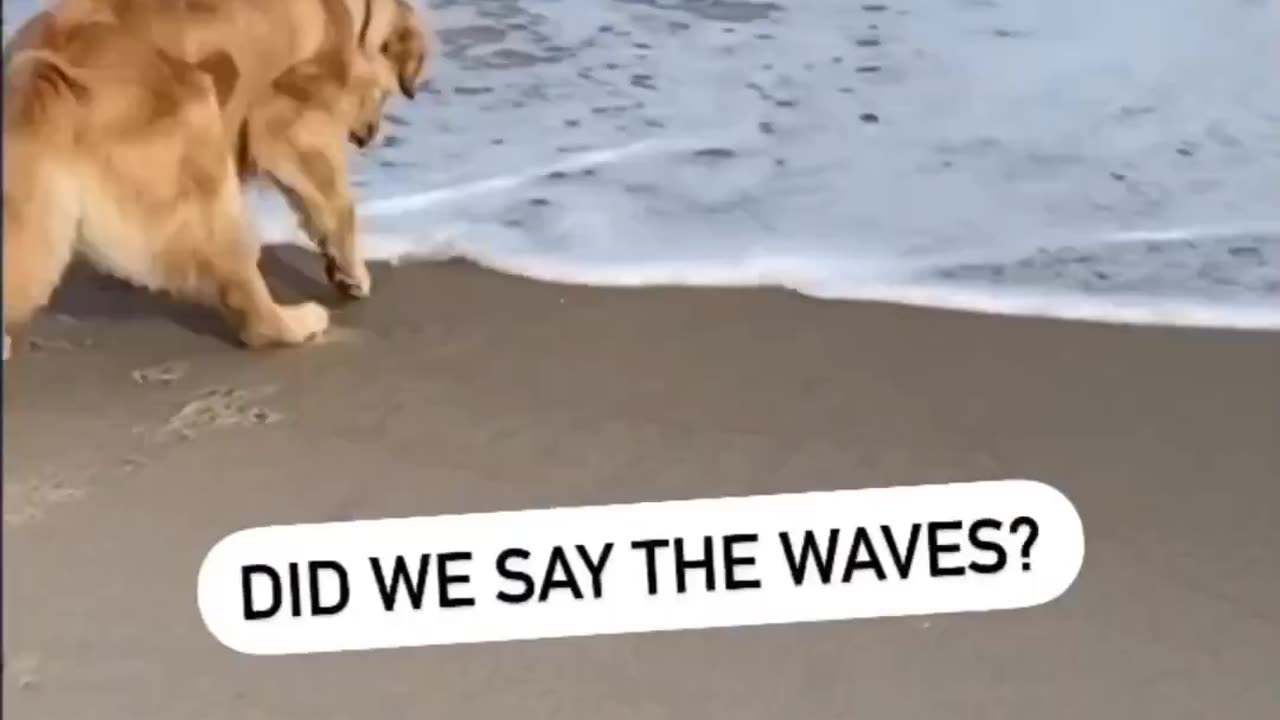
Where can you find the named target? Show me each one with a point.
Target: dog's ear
(224, 72)
(406, 49)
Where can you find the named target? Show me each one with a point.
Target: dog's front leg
(314, 182)
(344, 265)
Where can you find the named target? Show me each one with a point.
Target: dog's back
(38, 89)
(97, 80)
(243, 44)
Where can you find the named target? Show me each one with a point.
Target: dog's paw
(304, 322)
(353, 282)
(291, 325)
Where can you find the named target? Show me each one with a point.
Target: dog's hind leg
(221, 269)
(197, 250)
(39, 237)
(246, 300)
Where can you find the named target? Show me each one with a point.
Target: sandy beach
(137, 436)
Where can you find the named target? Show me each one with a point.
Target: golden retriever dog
(116, 151)
(294, 134)
(278, 66)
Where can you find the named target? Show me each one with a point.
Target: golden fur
(77, 119)
(116, 151)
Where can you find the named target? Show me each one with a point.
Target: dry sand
(135, 438)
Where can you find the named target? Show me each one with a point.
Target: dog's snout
(365, 135)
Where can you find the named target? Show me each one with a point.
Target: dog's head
(368, 95)
(398, 33)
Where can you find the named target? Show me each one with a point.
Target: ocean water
(1092, 159)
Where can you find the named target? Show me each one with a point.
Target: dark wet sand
(459, 390)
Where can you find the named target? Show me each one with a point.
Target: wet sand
(137, 436)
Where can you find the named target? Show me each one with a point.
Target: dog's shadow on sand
(293, 274)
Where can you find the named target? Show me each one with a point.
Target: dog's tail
(40, 88)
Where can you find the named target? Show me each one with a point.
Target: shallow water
(1091, 159)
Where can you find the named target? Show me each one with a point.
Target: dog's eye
(386, 47)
